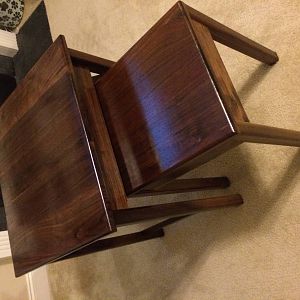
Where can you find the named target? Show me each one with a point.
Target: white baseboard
(4, 245)
(8, 43)
(38, 285)
(37, 281)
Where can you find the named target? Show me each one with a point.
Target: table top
(53, 198)
(161, 104)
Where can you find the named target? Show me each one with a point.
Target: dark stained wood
(160, 105)
(144, 213)
(230, 99)
(151, 232)
(99, 138)
(233, 39)
(3, 224)
(68, 142)
(1, 199)
(96, 77)
(254, 133)
(164, 223)
(187, 185)
(93, 63)
(53, 198)
(115, 242)
(187, 166)
(7, 85)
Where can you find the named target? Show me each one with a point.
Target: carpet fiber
(249, 252)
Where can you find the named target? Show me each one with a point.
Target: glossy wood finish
(98, 138)
(54, 199)
(167, 106)
(186, 185)
(144, 213)
(255, 133)
(115, 242)
(228, 94)
(140, 214)
(154, 231)
(233, 39)
(160, 104)
(175, 87)
(93, 63)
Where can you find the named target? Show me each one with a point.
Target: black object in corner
(34, 38)
(7, 85)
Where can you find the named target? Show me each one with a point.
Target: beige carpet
(250, 252)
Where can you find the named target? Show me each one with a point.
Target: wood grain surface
(233, 39)
(144, 213)
(93, 63)
(105, 163)
(53, 199)
(187, 185)
(223, 83)
(160, 104)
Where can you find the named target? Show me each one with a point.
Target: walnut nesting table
(170, 105)
(60, 181)
(73, 148)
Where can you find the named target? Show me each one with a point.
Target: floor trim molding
(38, 285)
(4, 245)
(37, 281)
(8, 43)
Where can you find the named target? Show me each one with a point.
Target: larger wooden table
(60, 181)
(72, 148)
(170, 104)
